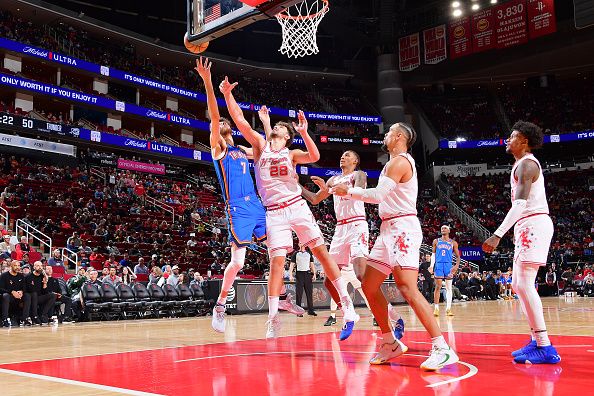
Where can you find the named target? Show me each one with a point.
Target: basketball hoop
(299, 25)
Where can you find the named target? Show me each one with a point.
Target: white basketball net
(300, 25)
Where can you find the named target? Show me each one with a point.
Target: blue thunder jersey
(233, 172)
(444, 251)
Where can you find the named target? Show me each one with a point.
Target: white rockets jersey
(537, 198)
(346, 208)
(403, 199)
(276, 177)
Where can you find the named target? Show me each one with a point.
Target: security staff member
(12, 290)
(36, 284)
(306, 273)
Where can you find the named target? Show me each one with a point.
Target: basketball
(195, 48)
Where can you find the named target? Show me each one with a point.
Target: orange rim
(284, 15)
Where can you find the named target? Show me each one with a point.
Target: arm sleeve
(514, 214)
(373, 195)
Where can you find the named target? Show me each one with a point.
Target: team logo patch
(402, 243)
(526, 238)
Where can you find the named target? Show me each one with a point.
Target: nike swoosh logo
(446, 359)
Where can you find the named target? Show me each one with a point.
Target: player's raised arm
(203, 66)
(236, 114)
(396, 169)
(264, 115)
(312, 154)
(322, 194)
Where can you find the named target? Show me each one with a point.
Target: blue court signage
(110, 72)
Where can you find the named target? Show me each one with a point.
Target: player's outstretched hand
(340, 189)
(264, 114)
(226, 87)
(320, 183)
(491, 244)
(301, 128)
(203, 67)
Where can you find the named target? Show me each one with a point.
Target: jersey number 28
(281, 170)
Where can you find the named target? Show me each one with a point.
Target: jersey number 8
(279, 170)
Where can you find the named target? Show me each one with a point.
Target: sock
(341, 287)
(392, 313)
(532, 336)
(333, 314)
(388, 338)
(449, 293)
(542, 338)
(436, 306)
(272, 306)
(440, 342)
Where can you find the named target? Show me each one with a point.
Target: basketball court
(184, 356)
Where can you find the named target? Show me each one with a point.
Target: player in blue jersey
(245, 214)
(443, 250)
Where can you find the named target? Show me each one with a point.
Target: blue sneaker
(347, 330)
(540, 355)
(398, 329)
(525, 349)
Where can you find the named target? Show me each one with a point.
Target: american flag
(212, 13)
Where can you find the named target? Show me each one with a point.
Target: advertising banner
(471, 253)
(34, 144)
(141, 166)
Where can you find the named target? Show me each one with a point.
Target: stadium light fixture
(493, 1)
(475, 7)
(457, 12)
(460, 139)
(456, 4)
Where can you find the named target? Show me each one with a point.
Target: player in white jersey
(396, 249)
(533, 231)
(286, 211)
(349, 245)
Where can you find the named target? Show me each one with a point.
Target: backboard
(209, 19)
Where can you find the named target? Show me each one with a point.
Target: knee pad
(237, 258)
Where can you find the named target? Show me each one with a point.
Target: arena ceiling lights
(459, 6)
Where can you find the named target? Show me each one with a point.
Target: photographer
(12, 290)
(36, 284)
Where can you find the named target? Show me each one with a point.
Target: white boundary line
(472, 370)
(78, 383)
(490, 345)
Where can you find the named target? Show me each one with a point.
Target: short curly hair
(532, 132)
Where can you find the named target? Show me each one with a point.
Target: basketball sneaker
(330, 321)
(525, 349)
(350, 318)
(439, 358)
(397, 322)
(274, 327)
(388, 351)
(436, 311)
(218, 318)
(289, 305)
(449, 312)
(539, 355)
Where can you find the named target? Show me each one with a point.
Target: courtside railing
(23, 228)
(67, 257)
(4, 217)
(161, 205)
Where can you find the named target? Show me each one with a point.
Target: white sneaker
(289, 305)
(393, 315)
(274, 327)
(439, 358)
(389, 351)
(348, 311)
(218, 318)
